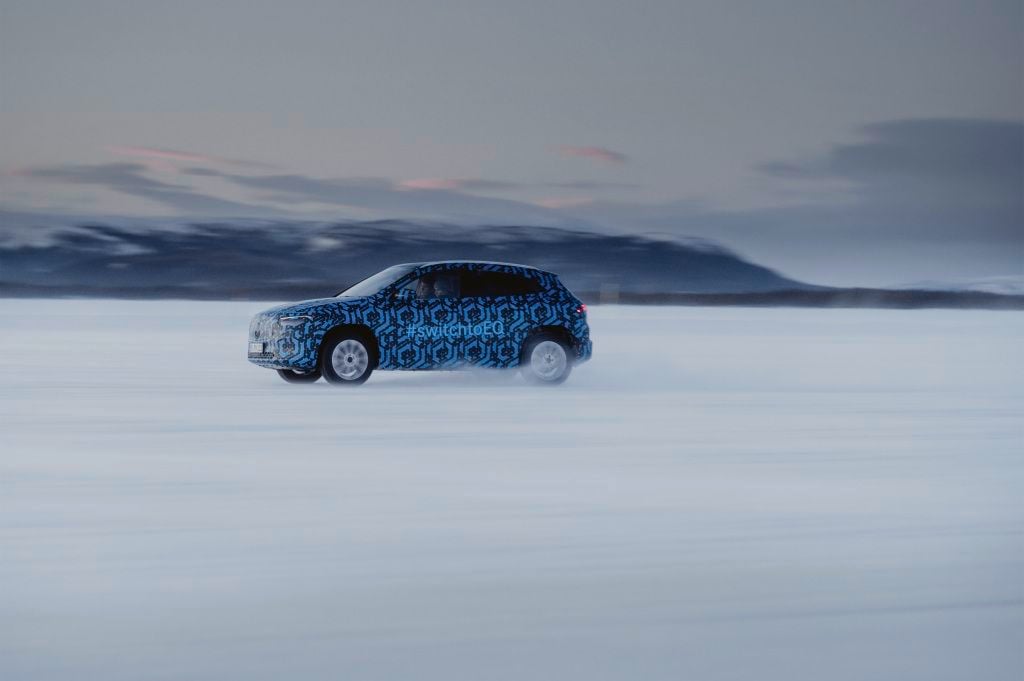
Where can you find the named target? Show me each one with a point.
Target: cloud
(440, 184)
(934, 161)
(557, 203)
(924, 199)
(434, 200)
(933, 148)
(452, 184)
(483, 185)
(594, 153)
(129, 178)
(430, 184)
(294, 194)
(200, 172)
(162, 156)
(586, 185)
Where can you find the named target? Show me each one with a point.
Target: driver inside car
(425, 287)
(445, 286)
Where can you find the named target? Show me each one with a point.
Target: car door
(495, 316)
(427, 319)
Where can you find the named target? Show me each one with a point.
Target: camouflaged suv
(436, 315)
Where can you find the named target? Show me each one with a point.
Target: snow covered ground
(719, 494)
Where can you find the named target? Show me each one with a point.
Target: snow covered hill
(259, 258)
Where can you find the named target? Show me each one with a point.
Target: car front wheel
(346, 360)
(547, 360)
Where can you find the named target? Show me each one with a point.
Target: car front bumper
(276, 346)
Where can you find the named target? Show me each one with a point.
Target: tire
(347, 359)
(546, 360)
(291, 376)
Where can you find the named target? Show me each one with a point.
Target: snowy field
(719, 494)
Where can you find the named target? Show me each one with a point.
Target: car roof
(472, 262)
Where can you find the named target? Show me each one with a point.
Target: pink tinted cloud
(594, 153)
(432, 184)
(465, 184)
(163, 154)
(163, 158)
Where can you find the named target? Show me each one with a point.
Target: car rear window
(481, 284)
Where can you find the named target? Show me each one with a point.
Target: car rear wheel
(299, 376)
(547, 360)
(346, 360)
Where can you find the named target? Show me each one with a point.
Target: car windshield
(376, 282)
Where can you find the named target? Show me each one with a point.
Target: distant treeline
(839, 297)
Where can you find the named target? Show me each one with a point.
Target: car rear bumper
(584, 350)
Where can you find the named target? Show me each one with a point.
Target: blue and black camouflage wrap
(438, 333)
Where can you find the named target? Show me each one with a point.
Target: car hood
(312, 306)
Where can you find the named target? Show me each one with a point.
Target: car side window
(484, 284)
(435, 285)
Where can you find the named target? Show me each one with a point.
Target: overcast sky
(841, 142)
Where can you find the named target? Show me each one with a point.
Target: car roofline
(474, 262)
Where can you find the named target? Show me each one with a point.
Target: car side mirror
(404, 295)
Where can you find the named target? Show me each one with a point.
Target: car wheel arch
(559, 332)
(363, 331)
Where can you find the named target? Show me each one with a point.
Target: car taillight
(581, 310)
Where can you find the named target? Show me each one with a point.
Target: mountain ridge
(259, 259)
(205, 256)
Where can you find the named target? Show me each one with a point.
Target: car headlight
(295, 319)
